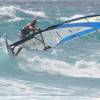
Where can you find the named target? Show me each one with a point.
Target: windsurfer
(30, 27)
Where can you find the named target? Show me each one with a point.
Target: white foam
(8, 11)
(76, 16)
(2, 42)
(15, 19)
(81, 68)
(35, 13)
(65, 18)
(25, 89)
(16, 89)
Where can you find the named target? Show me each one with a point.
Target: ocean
(68, 72)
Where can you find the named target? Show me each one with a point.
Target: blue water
(68, 72)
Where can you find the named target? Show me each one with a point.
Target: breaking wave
(10, 13)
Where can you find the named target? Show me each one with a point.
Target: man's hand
(39, 30)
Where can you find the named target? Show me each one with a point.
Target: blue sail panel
(75, 35)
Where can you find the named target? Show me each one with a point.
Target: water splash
(81, 68)
(9, 13)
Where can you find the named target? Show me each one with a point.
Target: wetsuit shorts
(24, 33)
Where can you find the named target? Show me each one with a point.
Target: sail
(61, 33)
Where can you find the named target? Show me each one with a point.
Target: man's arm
(32, 28)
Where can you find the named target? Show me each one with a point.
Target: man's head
(34, 22)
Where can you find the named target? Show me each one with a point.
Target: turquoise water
(68, 72)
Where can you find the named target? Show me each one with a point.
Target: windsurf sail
(61, 33)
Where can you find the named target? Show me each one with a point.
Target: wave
(65, 18)
(38, 62)
(10, 13)
(81, 68)
(31, 88)
(35, 13)
(27, 90)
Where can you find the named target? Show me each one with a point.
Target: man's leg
(18, 51)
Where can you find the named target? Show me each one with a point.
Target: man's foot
(18, 51)
(12, 49)
(47, 48)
